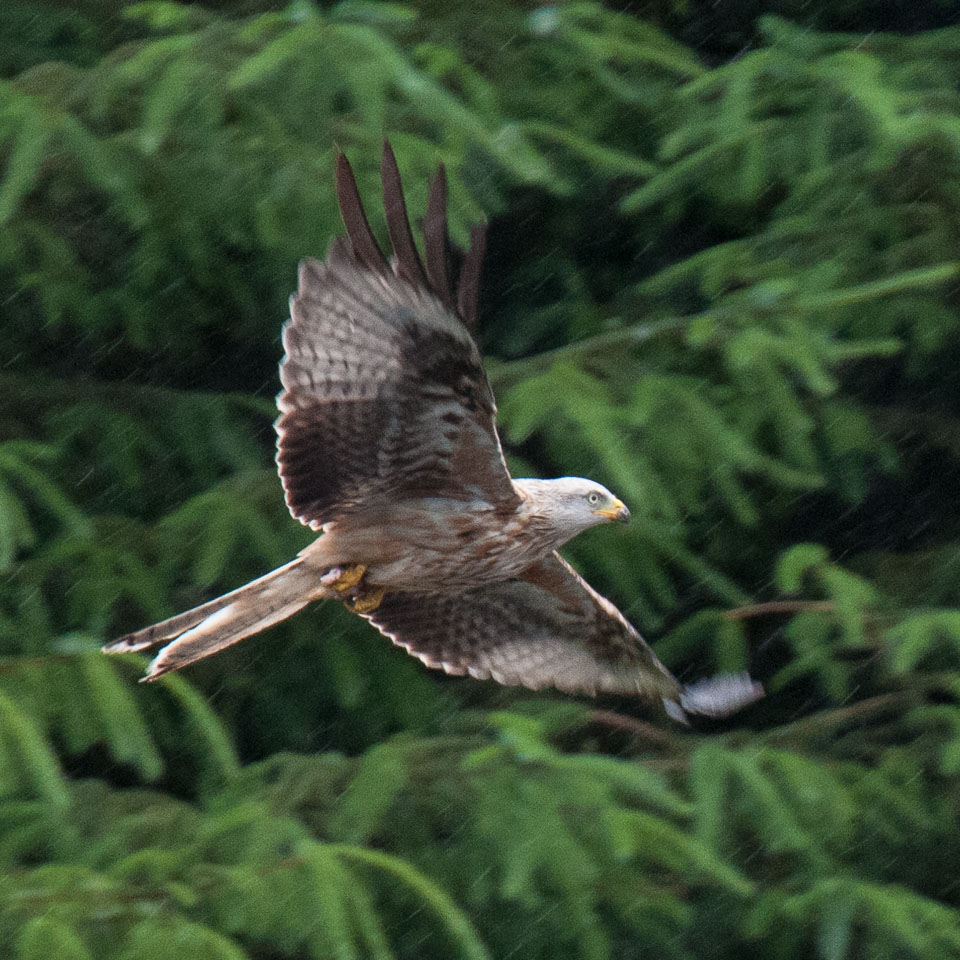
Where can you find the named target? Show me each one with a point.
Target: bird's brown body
(437, 544)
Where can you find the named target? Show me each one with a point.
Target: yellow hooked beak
(616, 511)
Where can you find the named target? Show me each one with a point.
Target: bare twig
(504, 374)
(638, 728)
(779, 606)
(828, 721)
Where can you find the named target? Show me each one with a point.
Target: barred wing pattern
(549, 628)
(384, 395)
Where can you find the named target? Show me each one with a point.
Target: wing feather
(384, 390)
(409, 266)
(469, 291)
(366, 250)
(550, 628)
(436, 241)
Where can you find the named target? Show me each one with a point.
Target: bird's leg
(366, 602)
(350, 578)
(344, 578)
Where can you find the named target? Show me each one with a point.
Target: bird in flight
(387, 445)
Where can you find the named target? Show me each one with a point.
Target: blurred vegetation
(723, 279)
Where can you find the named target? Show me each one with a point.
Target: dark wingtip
(463, 297)
(362, 241)
(468, 292)
(409, 265)
(436, 238)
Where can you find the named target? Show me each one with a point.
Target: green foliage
(723, 284)
(579, 850)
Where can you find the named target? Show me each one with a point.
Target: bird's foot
(349, 580)
(344, 578)
(366, 602)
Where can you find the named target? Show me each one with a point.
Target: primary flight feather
(387, 444)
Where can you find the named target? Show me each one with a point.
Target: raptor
(388, 448)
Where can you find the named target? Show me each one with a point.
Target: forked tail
(206, 629)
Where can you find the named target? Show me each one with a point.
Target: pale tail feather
(206, 629)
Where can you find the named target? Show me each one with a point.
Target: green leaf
(37, 762)
(127, 734)
(381, 776)
(797, 563)
(219, 754)
(456, 922)
(25, 161)
(43, 937)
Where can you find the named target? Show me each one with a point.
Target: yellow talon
(350, 577)
(366, 604)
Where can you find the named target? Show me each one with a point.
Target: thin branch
(37, 389)
(905, 280)
(12, 664)
(638, 728)
(505, 373)
(823, 723)
(779, 607)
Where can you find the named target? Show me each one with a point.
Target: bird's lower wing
(549, 629)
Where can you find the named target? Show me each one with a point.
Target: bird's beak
(616, 511)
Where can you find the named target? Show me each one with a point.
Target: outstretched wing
(384, 395)
(550, 628)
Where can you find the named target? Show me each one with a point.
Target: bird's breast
(438, 545)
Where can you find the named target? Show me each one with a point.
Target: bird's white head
(571, 504)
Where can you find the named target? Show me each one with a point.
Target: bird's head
(572, 504)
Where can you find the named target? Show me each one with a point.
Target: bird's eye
(593, 498)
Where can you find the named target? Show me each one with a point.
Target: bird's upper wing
(384, 395)
(550, 628)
